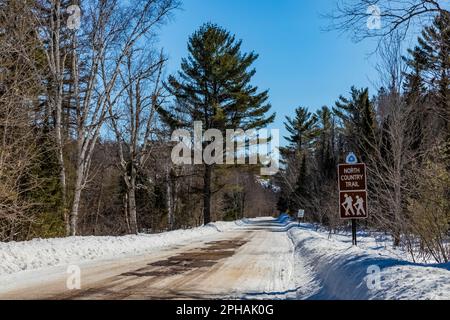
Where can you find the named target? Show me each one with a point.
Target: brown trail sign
(353, 205)
(352, 177)
(353, 193)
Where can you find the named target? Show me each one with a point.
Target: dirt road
(253, 261)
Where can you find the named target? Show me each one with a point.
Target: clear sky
(299, 63)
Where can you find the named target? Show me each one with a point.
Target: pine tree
(282, 204)
(301, 188)
(415, 93)
(301, 128)
(214, 87)
(325, 143)
(414, 86)
(357, 115)
(434, 42)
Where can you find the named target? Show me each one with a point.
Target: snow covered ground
(373, 270)
(250, 259)
(278, 259)
(44, 253)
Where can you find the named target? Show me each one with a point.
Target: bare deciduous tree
(50, 20)
(110, 29)
(19, 112)
(133, 119)
(395, 16)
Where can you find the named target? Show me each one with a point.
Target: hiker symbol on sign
(353, 205)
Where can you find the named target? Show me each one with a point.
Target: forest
(402, 134)
(87, 112)
(86, 120)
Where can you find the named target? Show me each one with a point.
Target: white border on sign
(355, 218)
(364, 190)
(365, 174)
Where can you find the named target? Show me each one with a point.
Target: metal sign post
(354, 240)
(300, 215)
(353, 192)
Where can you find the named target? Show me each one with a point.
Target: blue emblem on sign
(351, 158)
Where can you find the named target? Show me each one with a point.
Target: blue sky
(299, 63)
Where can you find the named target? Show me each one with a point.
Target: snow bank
(41, 253)
(283, 218)
(345, 272)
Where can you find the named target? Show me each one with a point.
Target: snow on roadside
(43, 253)
(345, 272)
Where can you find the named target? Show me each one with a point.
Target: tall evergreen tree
(214, 87)
(302, 191)
(301, 128)
(415, 94)
(414, 86)
(325, 143)
(434, 43)
(357, 115)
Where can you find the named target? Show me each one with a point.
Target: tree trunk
(132, 209)
(169, 200)
(74, 211)
(12, 231)
(75, 84)
(62, 169)
(125, 211)
(242, 205)
(57, 69)
(98, 209)
(397, 239)
(76, 199)
(207, 194)
(132, 202)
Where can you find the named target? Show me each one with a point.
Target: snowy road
(255, 260)
(247, 259)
